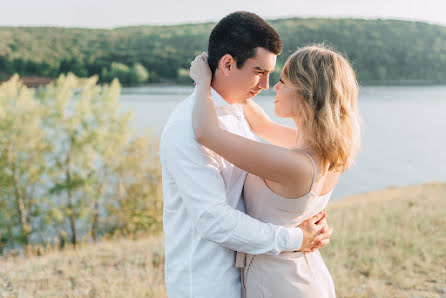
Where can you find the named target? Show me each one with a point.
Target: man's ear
(226, 63)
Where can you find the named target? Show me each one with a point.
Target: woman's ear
(226, 63)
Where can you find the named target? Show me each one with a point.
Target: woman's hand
(200, 71)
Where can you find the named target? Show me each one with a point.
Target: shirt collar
(220, 103)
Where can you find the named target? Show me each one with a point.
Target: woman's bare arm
(268, 161)
(263, 126)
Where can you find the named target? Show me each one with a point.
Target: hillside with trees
(381, 51)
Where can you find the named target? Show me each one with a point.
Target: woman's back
(291, 274)
(318, 181)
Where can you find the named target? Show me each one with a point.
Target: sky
(112, 13)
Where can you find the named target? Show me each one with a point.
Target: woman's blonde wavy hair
(329, 114)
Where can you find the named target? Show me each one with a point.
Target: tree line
(72, 168)
(381, 51)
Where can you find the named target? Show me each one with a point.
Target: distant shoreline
(37, 81)
(379, 50)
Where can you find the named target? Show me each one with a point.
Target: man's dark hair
(239, 34)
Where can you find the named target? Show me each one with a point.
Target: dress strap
(315, 170)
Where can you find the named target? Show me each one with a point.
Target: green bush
(72, 165)
(136, 74)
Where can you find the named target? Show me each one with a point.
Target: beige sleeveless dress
(290, 274)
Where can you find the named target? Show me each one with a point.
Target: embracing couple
(244, 217)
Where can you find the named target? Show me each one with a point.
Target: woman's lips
(254, 93)
(276, 101)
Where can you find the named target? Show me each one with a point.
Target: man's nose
(264, 82)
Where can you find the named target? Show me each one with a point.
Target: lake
(403, 134)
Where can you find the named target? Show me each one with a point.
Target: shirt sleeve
(202, 190)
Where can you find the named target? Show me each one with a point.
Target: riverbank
(38, 81)
(390, 243)
(32, 81)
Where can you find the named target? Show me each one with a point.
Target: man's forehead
(262, 68)
(264, 59)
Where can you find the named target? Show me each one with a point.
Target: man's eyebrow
(262, 69)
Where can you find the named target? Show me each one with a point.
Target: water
(403, 141)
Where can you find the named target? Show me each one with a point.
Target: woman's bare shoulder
(301, 171)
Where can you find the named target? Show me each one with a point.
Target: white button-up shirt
(203, 218)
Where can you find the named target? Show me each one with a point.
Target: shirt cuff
(295, 238)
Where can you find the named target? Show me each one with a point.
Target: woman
(293, 177)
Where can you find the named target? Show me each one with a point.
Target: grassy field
(390, 243)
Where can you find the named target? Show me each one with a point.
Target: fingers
(324, 242)
(199, 60)
(202, 56)
(320, 223)
(323, 218)
(324, 230)
(317, 241)
(325, 227)
(321, 244)
(318, 217)
(324, 238)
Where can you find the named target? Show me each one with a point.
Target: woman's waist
(290, 219)
(282, 215)
(291, 257)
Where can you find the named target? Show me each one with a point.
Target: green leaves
(380, 50)
(67, 152)
(136, 74)
(23, 144)
(73, 184)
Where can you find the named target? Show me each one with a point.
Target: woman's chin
(278, 114)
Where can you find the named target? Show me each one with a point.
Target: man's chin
(253, 94)
(245, 100)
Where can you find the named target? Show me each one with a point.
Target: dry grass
(390, 243)
(119, 268)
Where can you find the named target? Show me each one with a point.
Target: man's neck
(221, 89)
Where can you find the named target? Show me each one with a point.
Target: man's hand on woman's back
(316, 232)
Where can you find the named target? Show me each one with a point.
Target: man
(204, 222)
